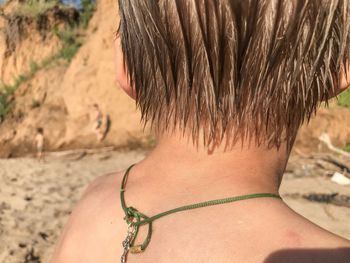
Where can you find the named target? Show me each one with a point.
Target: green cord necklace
(135, 219)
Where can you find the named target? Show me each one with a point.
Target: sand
(36, 197)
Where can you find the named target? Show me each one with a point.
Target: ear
(121, 70)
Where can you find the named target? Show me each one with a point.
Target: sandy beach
(36, 198)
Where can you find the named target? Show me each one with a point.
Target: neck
(178, 164)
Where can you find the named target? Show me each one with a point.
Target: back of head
(40, 130)
(234, 68)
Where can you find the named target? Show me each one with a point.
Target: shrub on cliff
(344, 99)
(34, 8)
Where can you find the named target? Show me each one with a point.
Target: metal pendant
(127, 242)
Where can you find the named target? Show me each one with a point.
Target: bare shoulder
(92, 220)
(101, 188)
(304, 241)
(307, 255)
(299, 230)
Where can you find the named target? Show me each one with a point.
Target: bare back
(262, 230)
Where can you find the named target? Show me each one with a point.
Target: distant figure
(97, 125)
(39, 143)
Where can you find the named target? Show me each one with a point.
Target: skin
(39, 144)
(97, 128)
(177, 173)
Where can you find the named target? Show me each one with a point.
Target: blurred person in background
(39, 141)
(97, 122)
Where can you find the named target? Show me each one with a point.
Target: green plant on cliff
(71, 38)
(70, 42)
(35, 104)
(5, 103)
(6, 91)
(344, 99)
(34, 8)
(347, 147)
(88, 9)
(71, 35)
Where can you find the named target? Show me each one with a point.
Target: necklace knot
(131, 214)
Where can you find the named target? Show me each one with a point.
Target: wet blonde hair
(233, 68)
